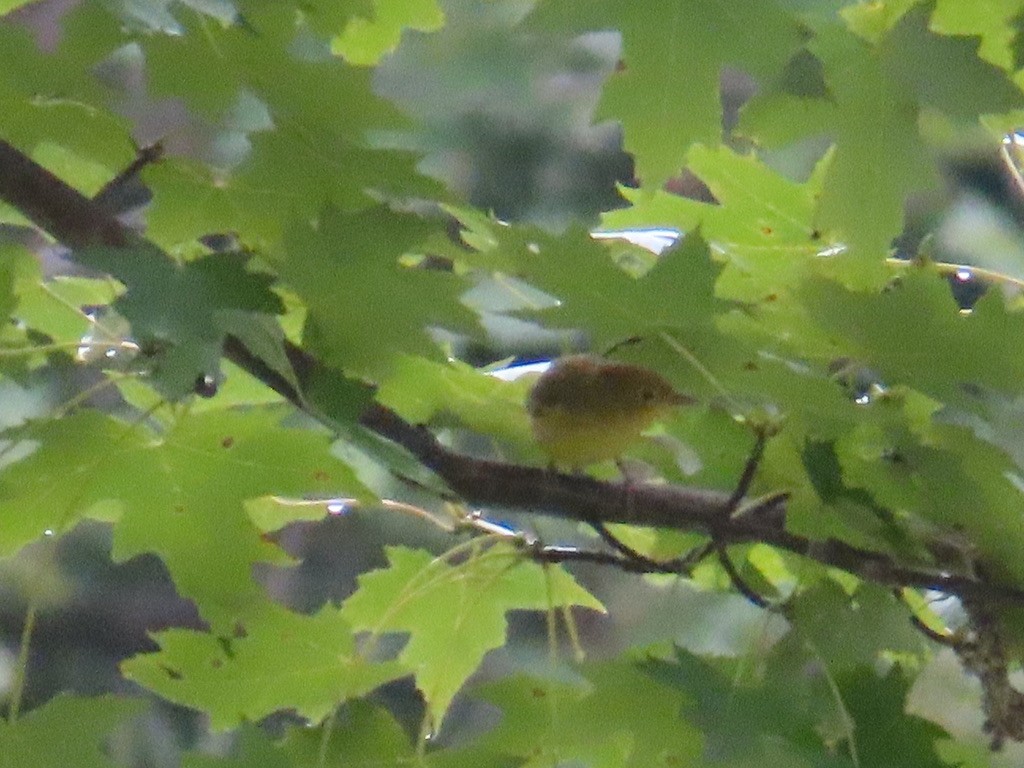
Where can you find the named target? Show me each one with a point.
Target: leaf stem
(701, 369)
(21, 669)
(325, 738)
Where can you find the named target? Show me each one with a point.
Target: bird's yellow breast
(576, 439)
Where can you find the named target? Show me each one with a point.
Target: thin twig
(738, 582)
(942, 638)
(749, 469)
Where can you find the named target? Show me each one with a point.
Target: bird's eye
(647, 395)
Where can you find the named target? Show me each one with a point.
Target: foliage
(288, 213)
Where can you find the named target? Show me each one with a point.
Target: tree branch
(78, 222)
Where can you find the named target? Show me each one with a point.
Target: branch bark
(77, 221)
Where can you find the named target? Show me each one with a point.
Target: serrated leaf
(667, 92)
(364, 306)
(281, 661)
(989, 21)
(361, 734)
(913, 333)
(611, 303)
(878, 157)
(316, 151)
(877, 91)
(179, 494)
(851, 631)
(737, 717)
(187, 307)
(763, 223)
(252, 748)
(53, 95)
(48, 489)
(616, 715)
(878, 707)
(421, 390)
(454, 614)
(965, 488)
(366, 41)
(67, 730)
(912, 53)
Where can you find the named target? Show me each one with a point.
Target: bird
(586, 409)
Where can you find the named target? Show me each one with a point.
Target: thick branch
(55, 207)
(78, 222)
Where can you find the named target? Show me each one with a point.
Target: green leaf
(875, 93)
(913, 334)
(262, 336)
(878, 157)
(964, 488)
(851, 631)
(347, 271)
(179, 494)
(611, 303)
(883, 729)
(252, 748)
(798, 713)
(53, 96)
(48, 490)
(615, 715)
(740, 721)
(422, 390)
(667, 92)
(989, 21)
(14, 258)
(6, 6)
(912, 53)
(183, 311)
(454, 614)
(67, 730)
(54, 307)
(872, 20)
(366, 41)
(360, 734)
(316, 151)
(277, 660)
(762, 224)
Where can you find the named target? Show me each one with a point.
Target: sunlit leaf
(454, 613)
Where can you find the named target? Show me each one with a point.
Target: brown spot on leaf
(171, 673)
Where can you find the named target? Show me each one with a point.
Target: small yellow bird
(585, 409)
